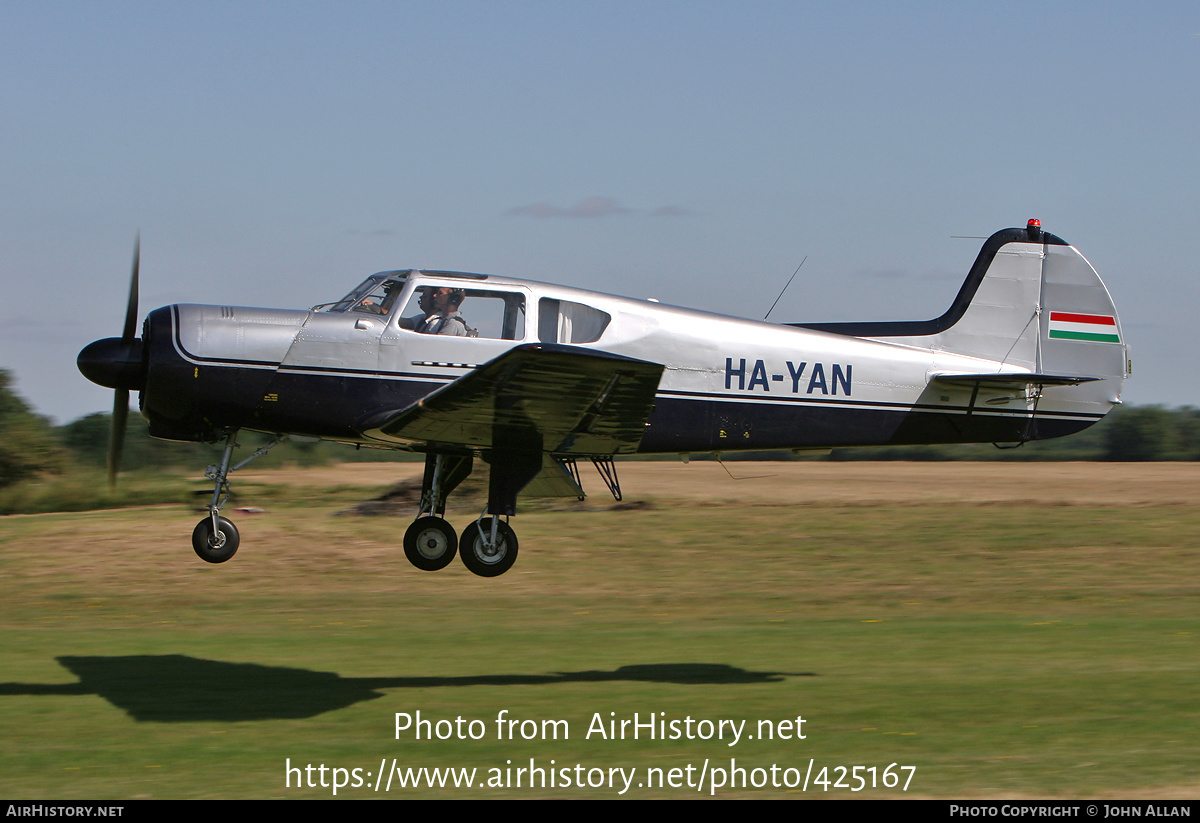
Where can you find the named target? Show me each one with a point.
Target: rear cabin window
(561, 321)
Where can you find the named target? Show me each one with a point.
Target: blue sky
(276, 153)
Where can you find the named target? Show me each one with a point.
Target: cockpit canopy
(382, 289)
(496, 313)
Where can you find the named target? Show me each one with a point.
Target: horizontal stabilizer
(1010, 380)
(537, 397)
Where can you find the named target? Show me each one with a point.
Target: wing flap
(1009, 380)
(537, 397)
(554, 480)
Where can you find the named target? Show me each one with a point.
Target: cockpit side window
(562, 321)
(464, 312)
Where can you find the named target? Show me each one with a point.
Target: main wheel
(430, 543)
(215, 548)
(484, 561)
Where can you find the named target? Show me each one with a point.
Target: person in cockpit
(380, 303)
(439, 312)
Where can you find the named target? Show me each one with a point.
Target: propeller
(119, 363)
(120, 414)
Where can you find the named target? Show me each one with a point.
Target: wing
(537, 397)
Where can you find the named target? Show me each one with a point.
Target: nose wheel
(215, 546)
(430, 543)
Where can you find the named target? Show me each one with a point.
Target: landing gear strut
(488, 546)
(430, 542)
(215, 539)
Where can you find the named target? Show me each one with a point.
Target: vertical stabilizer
(1030, 304)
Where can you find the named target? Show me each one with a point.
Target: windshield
(374, 295)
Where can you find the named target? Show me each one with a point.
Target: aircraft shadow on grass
(177, 688)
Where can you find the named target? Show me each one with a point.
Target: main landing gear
(430, 543)
(215, 539)
(488, 546)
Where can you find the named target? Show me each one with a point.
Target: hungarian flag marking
(1071, 326)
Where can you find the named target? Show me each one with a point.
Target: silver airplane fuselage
(729, 384)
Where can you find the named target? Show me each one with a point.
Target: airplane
(533, 378)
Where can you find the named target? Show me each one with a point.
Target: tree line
(31, 447)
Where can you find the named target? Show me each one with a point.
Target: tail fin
(1031, 303)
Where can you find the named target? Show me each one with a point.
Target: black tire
(430, 543)
(481, 562)
(216, 549)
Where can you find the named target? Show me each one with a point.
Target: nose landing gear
(215, 539)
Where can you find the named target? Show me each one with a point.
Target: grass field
(1009, 630)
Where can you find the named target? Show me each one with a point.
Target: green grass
(1001, 650)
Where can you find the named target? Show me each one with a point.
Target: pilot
(439, 307)
(384, 305)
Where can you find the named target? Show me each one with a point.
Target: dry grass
(1011, 629)
(1103, 484)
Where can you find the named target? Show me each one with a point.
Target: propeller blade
(116, 434)
(131, 311)
(120, 415)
